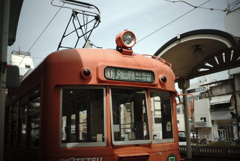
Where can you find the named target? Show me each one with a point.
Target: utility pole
(4, 21)
(184, 85)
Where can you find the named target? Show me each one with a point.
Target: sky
(154, 23)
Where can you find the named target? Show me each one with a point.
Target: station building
(214, 114)
(23, 60)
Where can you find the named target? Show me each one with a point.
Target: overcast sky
(143, 17)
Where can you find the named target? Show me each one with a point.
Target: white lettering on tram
(82, 159)
(125, 75)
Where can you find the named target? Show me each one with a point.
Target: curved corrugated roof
(221, 52)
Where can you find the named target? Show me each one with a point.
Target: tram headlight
(126, 39)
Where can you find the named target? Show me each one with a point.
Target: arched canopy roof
(221, 52)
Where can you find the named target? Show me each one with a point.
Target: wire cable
(42, 33)
(233, 5)
(171, 22)
(224, 10)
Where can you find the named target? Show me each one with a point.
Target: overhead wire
(42, 32)
(233, 5)
(216, 9)
(195, 7)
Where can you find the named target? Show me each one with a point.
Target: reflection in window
(129, 115)
(12, 128)
(180, 109)
(162, 115)
(23, 121)
(82, 115)
(34, 117)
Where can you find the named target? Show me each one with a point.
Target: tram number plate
(129, 75)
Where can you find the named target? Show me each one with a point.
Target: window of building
(82, 121)
(180, 109)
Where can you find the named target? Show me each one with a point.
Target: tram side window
(23, 108)
(34, 118)
(12, 128)
(161, 107)
(23, 121)
(82, 115)
(129, 114)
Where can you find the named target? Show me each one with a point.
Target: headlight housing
(126, 39)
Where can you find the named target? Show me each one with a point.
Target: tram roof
(221, 52)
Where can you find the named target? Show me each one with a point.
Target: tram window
(23, 108)
(14, 128)
(34, 118)
(23, 120)
(82, 116)
(12, 124)
(9, 125)
(129, 116)
(161, 107)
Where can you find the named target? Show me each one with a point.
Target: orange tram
(94, 105)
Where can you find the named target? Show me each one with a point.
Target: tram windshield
(161, 107)
(83, 117)
(129, 116)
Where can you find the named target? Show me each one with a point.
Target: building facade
(23, 60)
(216, 109)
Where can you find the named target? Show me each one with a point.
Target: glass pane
(34, 104)
(24, 123)
(22, 131)
(34, 120)
(23, 110)
(161, 107)
(10, 118)
(83, 125)
(34, 137)
(14, 125)
(23, 120)
(129, 114)
(15, 110)
(22, 137)
(9, 138)
(14, 137)
(34, 117)
(23, 106)
(82, 115)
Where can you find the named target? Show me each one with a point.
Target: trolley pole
(4, 21)
(184, 85)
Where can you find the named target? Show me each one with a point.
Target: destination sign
(129, 75)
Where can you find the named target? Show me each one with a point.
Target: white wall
(201, 110)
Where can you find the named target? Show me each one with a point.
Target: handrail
(160, 59)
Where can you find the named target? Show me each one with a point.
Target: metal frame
(128, 142)
(83, 144)
(80, 26)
